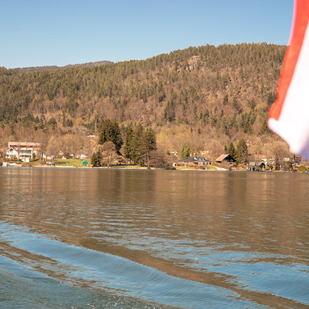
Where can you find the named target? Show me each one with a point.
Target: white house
(22, 150)
(12, 153)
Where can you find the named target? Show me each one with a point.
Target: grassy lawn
(211, 168)
(197, 168)
(69, 162)
(79, 163)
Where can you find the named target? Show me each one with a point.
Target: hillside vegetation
(205, 97)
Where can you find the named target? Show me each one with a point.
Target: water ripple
(115, 274)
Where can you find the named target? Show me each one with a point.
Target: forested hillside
(204, 97)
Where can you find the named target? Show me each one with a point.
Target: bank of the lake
(77, 163)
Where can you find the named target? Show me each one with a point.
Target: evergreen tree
(231, 150)
(94, 160)
(226, 99)
(137, 142)
(110, 132)
(169, 113)
(128, 144)
(242, 151)
(185, 152)
(149, 144)
(271, 98)
(149, 140)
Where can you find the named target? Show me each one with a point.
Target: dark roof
(201, 159)
(225, 157)
(193, 159)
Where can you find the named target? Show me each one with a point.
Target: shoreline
(134, 167)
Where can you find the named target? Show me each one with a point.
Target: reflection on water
(183, 239)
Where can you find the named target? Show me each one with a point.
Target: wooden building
(225, 158)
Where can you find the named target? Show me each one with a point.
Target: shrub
(302, 169)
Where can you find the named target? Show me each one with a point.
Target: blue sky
(60, 32)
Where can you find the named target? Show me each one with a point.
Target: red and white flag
(289, 116)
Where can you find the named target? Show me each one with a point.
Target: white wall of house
(12, 154)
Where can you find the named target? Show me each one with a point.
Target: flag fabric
(289, 115)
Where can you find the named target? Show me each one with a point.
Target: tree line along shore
(137, 147)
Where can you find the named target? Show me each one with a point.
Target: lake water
(94, 238)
